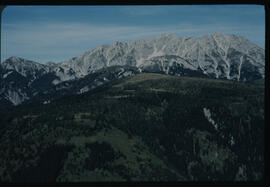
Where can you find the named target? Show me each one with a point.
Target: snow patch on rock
(84, 89)
(6, 74)
(207, 114)
(16, 97)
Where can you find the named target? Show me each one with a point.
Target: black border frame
(265, 3)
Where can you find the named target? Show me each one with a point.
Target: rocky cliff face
(217, 56)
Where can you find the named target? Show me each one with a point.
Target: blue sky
(58, 33)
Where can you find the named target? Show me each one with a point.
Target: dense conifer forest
(147, 127)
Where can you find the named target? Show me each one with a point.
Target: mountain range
(218, 56)
(167, 109)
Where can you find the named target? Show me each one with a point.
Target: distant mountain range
(219, 56)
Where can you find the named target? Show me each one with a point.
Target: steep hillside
(147, 127)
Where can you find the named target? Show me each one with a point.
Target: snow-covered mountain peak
(118, 43)
(207, 52)
(13, 59)
(26, 68)
(219, 34)
(51, 63)
(17, 62)
(215, 54)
